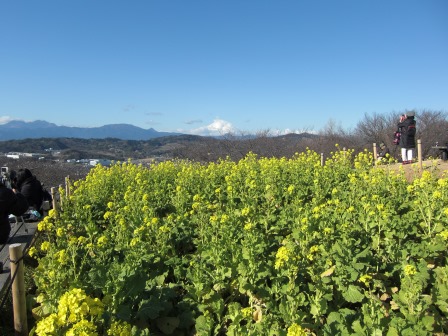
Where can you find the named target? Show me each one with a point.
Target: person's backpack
(397, 136)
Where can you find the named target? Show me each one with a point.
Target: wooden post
(67, 187)
(419, 153)
(53, 196)
(18, 290)
(375, 155)
(60, 196)
(322, 159)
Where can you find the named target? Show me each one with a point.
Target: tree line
(432, 127)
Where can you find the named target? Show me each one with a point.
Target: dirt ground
(413, 171)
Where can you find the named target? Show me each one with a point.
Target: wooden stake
(374, 154)
(53, 196)
(67, 187)
(322, 159)
(61, 198)
(419, 153)
(18, 290)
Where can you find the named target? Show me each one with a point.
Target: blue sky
(203, 67)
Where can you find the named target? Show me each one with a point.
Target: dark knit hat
(410, 114)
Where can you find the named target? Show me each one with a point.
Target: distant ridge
(18, 130)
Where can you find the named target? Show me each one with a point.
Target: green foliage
(255, 247)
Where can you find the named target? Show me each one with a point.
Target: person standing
(407, 129)
(11, 202)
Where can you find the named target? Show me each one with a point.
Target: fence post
(322, 159)
(61, 198)
(18, 290)
(67, 187)
(419, 153)
(375, 155)
(53, 196)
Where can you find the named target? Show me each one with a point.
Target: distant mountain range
(17, 130)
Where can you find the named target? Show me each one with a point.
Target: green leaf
(428, 322)
(203, 326)
(167, 324)
(377, 332)
(314, 310)
(124, 312)
(150, 309)
(334, 317)
(392, 332)
(246, 253)
(353, 294)
(358, 329)
(139, 332)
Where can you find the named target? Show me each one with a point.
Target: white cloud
(217, 127)
(222, 127)
(278, 132)
(5, 119)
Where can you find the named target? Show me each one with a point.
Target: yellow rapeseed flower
(246, 312)
(102, 241)
(409, 270)
(296, 330)
(444, 234)
(83, 327)
(45, 246)
(281, 257)
(32, 251)
(365, 279)
(120, 328)
(59, 232)
(47, 326)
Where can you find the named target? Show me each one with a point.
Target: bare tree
(432, 127)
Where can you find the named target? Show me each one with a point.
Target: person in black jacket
(10, 203)
(384, 152)
(30, 187)
(407, 129)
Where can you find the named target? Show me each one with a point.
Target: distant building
(102, 162)
(18, 155)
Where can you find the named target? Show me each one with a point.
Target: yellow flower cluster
(313, 250)
(365, 279)
(45, 224)
(83, 327)
(443, 234)
(62, 256)
(32, 251)
(248, 225)
(246, 312)
(75, 305)
(75, 310)
(282, 256)
(409, 270)
(102, 241)
(296, 330)
(47, 326)
(120, 328)
(45, 246)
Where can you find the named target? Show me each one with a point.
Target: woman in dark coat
(407, 129)
(30, 187)
(10, 203)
